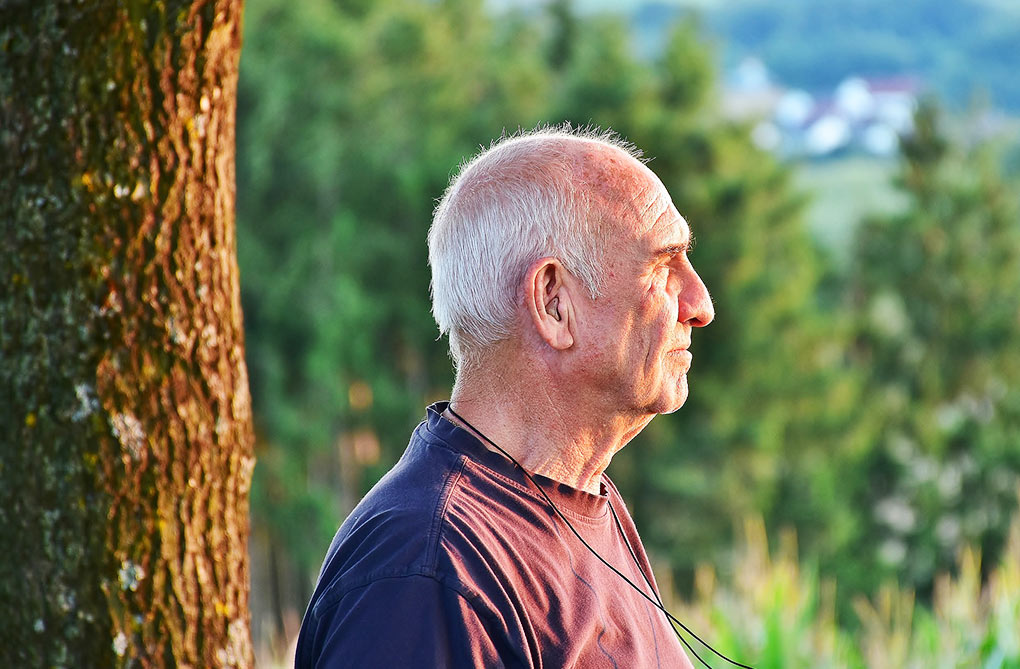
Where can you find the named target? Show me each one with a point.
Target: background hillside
(965, 49)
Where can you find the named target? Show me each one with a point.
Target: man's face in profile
(652, 300)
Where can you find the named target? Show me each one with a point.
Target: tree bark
(126, 449)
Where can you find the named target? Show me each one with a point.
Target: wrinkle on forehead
(622, 187)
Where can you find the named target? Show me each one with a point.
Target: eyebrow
(672, 250)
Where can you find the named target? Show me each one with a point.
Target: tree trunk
(126, 449)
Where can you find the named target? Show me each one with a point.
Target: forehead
(637, 205)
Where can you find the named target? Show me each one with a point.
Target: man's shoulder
(395, 524)
(387, 586)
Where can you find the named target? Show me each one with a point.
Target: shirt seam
(338, 589)
(567, 511)
(439, 515)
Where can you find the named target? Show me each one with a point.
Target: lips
(683, 354)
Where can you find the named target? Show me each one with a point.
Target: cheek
(658, 311)
(651, 334)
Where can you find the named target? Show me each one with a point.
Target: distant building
(748, 92)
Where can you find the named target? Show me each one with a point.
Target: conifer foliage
(937, 314)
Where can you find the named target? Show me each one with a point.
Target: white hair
(523, 198)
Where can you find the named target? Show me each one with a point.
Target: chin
(671, 401)
(672, 408)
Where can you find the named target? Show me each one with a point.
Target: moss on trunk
(126, 448)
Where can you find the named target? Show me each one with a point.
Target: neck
(549, 432)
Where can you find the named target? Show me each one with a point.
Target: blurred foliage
(936, 294)
(837, 398)
(776, 613)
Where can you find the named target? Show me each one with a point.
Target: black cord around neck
(657, 602)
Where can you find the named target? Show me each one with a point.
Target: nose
(696, 307)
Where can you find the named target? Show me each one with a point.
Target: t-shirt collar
(567, 498)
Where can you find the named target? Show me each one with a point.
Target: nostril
(704, 313)
(698, 311)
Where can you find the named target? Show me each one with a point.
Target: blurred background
(839, 489)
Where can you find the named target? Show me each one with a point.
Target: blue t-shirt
(454, 559)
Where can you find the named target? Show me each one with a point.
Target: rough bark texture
(126, 444)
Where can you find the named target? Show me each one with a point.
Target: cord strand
(657, 604)
(633, 555)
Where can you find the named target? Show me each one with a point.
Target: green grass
(776, 613)
(843, 192)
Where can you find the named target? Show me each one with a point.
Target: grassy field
(776, 613)
(843, 192)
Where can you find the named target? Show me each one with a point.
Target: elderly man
(560, 273)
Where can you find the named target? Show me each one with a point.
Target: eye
(659, 274)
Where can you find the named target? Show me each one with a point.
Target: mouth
(683, 354)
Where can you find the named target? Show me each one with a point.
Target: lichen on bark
(126, 430)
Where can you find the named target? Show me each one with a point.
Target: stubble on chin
(680, 398)
(671, 394)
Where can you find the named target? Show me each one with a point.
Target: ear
(548, 297)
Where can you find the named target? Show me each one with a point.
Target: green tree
(351, 118)
(125, 419)
(937, 294)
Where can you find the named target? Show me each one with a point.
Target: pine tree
(938, 311)
(766, 385)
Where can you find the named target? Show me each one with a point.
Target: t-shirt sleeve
(407, 621)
